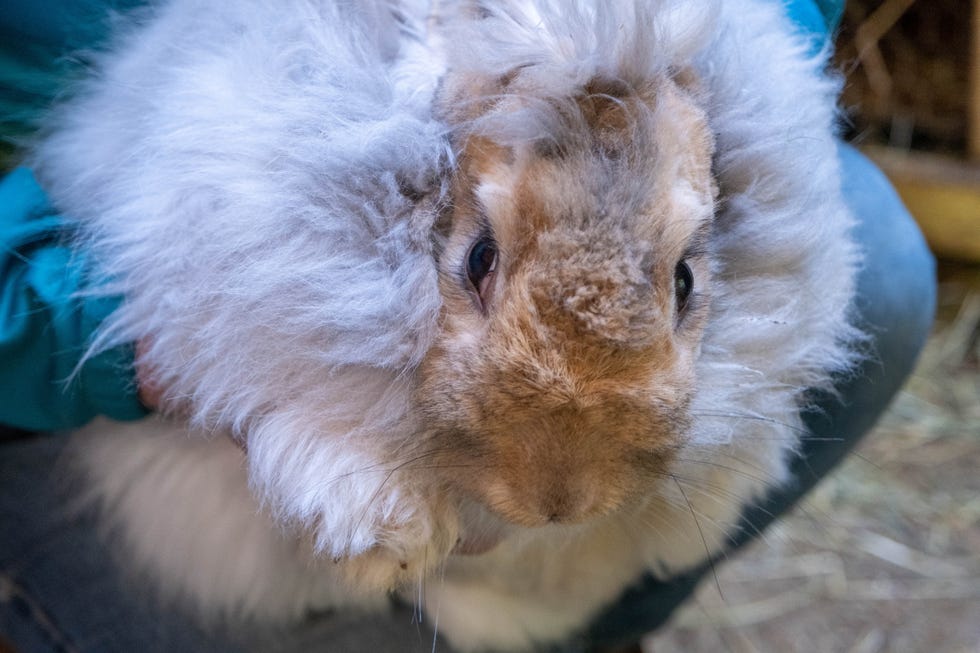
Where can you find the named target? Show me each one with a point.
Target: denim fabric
(59, 590)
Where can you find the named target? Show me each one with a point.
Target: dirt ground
(885, 555)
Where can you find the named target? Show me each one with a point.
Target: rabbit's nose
(540, 501)
(560, 507)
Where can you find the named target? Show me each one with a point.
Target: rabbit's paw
(397, 540)
(380, 519)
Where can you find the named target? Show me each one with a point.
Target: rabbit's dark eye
(683, 284)
(481, 263)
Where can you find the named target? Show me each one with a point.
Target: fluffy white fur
(260, 181)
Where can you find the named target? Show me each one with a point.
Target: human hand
(149, 391)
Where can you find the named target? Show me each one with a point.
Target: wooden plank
(973, 105)
(943, 195)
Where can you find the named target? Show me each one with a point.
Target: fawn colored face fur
(561, 378)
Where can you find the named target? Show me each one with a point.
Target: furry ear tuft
(606, 113)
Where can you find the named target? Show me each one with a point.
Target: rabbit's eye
(481, 263)
(683, 284)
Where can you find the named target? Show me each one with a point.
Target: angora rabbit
(527, 293)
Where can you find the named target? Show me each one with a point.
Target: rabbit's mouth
(481, 530)
(477, 543)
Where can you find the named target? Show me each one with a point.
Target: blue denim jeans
(60, 591)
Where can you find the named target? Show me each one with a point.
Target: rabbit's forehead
(646, 180)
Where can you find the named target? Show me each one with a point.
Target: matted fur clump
(524, 293)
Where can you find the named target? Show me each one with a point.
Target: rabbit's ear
(607, 115)
(465, 97)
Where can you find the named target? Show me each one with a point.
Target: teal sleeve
(46, 323)
(43, 47)
(817, 18)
